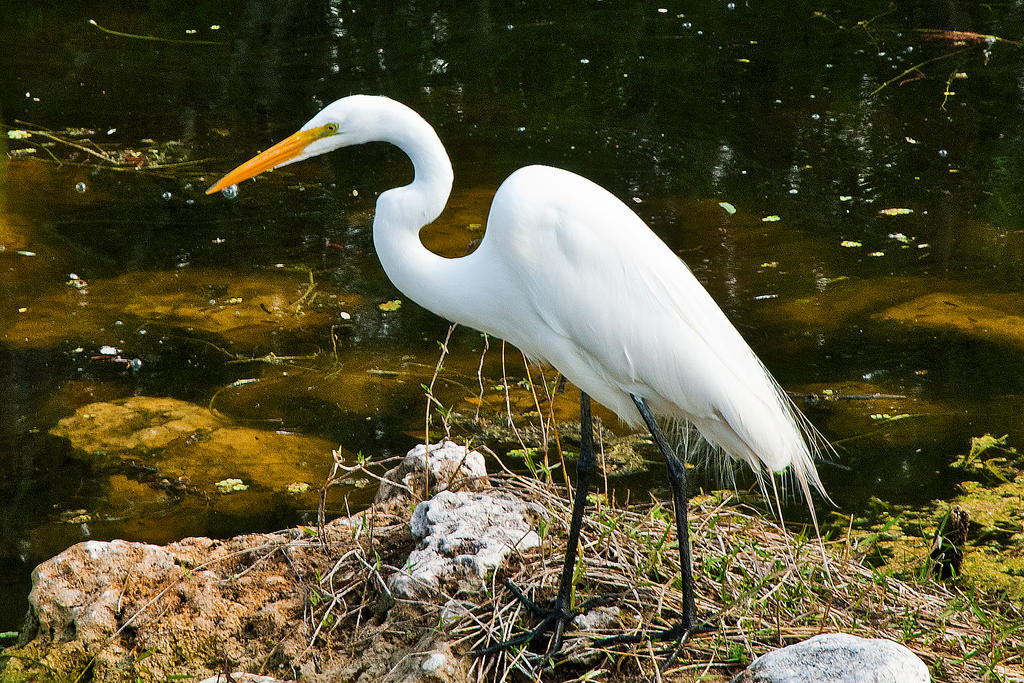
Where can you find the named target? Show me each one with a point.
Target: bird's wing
(617, 312)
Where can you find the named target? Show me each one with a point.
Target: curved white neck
(441, 285)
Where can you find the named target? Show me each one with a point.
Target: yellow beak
(286, 150)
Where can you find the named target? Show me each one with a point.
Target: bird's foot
(680, 633)
(554, 619)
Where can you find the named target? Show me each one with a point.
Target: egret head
(349, 121)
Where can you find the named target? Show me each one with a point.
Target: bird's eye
(332, 127)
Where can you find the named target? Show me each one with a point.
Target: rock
(93, 604)
(296, 604)
(462, 537)
(597, 619)
(846, 299)
(446, 466)
(430, 660)
(198, 604)
(187, 445)
(245, 310)
(993, 317)
(72, 596)
(838, 658)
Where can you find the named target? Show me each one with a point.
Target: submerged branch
(917, 67)
(127, 159)
(136, 36)
(964, 37)
(98, 153)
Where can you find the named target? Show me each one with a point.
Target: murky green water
(674, 108)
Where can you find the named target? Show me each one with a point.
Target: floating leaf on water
(770, 219)
(18, 134)
(899, 237)
(845, 197)
(729, 208)
(895, 212)
(108, 350)
(877, 253)
(770, 264)
(231, 485)
(297, 487)
(886, 417)
(850, 243)
(392, 305)
(22, 252)
(22, 310)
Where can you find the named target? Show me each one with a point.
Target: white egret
(571, 276)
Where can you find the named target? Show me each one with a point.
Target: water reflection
(771, 109)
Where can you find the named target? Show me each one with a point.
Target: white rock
(435, 661)
(838, 658)
(463, 536)
(430, 660)
(597, 619)
(447, 464)
(77, 593)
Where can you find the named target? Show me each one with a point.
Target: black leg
(561, 613)
(585, 467)
(680, 498)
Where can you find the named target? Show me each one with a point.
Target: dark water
(672, 107)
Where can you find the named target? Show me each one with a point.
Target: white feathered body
(570, 275)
